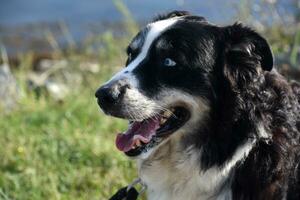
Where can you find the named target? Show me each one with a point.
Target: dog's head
(176, 69)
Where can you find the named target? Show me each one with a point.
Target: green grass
(62, 150)
(50, 150)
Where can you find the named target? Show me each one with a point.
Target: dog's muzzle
(110, 96)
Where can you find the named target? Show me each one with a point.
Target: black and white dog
(209, 117)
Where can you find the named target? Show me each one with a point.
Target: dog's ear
(246, 50)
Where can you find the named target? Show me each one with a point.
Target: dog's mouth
(142, 136)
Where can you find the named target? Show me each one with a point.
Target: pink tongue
(142, 131)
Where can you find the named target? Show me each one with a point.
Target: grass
(50, 150)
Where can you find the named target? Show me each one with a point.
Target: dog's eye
(169, 62)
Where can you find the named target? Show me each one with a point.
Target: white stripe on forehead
(155, 30)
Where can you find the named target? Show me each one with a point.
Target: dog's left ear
(244, 48)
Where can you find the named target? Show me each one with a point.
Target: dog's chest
(179, 178)
(164, 183)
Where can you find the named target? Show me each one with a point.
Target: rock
(92, 67)
(54, 77)
(57, 91)
(46, 64)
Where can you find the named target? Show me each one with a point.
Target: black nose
(106, 94)
(110, 95)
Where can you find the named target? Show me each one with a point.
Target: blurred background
(54, 142)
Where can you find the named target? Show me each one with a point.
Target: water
(16, 12)
(26, 20)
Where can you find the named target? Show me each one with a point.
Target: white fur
(262, 133)
(138, 106)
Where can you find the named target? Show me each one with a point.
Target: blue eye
(169, 62)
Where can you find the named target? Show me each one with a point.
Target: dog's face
(169, 82)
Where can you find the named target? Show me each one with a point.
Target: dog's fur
(242, 140)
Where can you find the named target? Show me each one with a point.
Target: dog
(209, 116)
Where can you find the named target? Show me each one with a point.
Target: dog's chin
(143, 137)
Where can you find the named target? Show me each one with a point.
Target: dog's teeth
(167, 114)
(163, 120)
(138, 143)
